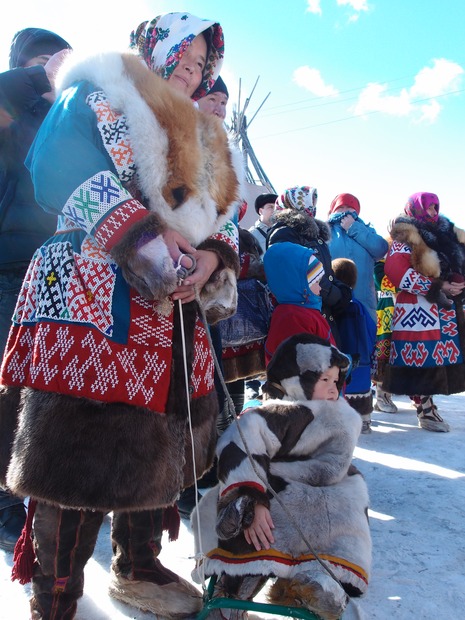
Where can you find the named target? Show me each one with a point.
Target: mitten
(144, 259)
(235, 517)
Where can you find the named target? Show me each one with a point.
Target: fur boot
(137, 577)
(429, 418)
(64, 541)
(172, 597)
(384, 401)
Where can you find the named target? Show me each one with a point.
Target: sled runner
(267, 608)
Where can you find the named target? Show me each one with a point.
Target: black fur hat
(298, 363)
(264, 199)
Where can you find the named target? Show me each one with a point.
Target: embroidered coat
(428, 336)
(304, 452)
(96, 338)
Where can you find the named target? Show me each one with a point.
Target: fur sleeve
(219, 295)
(144, 259)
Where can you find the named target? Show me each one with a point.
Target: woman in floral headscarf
(124, 160)
(426, 262)
(294, 221)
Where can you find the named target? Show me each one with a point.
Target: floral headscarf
(418, 204)
(298, 198)
(162, 42)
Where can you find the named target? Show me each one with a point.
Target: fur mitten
(219, 295)
(145, 260)
(235, 517)
(437, 295)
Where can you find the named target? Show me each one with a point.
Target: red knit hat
(345, 199)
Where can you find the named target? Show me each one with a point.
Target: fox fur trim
(424, 259)
(187, 171)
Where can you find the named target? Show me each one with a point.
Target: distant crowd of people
(153, 346)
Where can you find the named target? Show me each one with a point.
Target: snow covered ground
(417, 487)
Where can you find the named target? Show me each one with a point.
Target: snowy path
(416, 481)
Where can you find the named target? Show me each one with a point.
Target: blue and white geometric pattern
(93, 199)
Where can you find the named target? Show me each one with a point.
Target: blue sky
(367, 96)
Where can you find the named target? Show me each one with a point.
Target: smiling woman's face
(187, 76)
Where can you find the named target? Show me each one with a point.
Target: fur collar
(186, 168)
(438, 249)
(307, 227)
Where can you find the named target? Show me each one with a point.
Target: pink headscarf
(418, 204)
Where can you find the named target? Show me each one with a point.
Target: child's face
(326, 386)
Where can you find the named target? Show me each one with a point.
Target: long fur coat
(303, 450)
(428, 331)
(101, 399)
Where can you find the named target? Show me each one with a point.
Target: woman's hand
(259, 534)
(347, 221)
(452, 289)
(207, 263)
(51, 69)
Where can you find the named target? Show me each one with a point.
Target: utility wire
(353, 116)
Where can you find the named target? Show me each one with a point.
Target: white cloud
(357, 5)
(441, 78)
(314, 6)
(311, 80)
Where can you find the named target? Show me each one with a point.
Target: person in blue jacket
(358, 338)
(352, 238)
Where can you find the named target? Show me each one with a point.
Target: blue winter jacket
(364, 246)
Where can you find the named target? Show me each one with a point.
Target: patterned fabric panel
(65, 286)
(82, 362)
(431, 338)
(114, 131)
(229, 234)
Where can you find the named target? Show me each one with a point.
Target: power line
(353, 116)
(342, 92)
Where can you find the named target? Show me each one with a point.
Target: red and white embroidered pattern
(62, 285)
(202, 376)
(109, 230)
(229, 234)
(80, 361)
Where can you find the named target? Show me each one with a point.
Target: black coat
(24, 226)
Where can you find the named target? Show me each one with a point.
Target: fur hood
(438, 249)
(187, 171)
(305, 226)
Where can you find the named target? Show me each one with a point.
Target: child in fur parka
(302, 441)
(426, 262)
(107, 324)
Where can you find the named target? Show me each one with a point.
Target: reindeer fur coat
(304, 451)
(94, 362)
